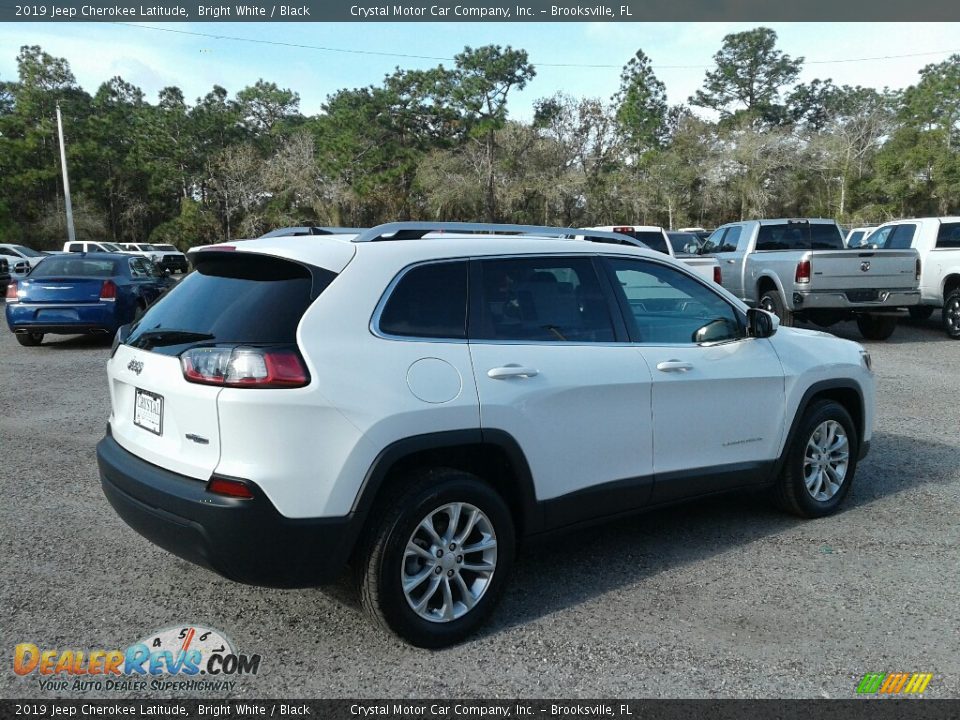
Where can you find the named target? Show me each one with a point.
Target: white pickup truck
(937, 239)
(800, 269)
(655, 238)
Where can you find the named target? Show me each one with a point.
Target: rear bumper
(248, 541)
(838, 300)
(63, 320)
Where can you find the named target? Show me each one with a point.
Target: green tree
(641, 105)
(481, 85)
(749, 76)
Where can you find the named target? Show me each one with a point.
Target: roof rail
(416, 230)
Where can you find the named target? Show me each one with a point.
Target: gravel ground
(726, 598)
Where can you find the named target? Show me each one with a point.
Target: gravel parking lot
(726, 598)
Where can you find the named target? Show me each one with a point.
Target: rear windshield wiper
(162, 336)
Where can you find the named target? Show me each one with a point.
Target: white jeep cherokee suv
(413, 404)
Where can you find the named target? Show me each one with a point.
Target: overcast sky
(153, 56)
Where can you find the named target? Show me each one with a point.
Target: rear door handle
(731, 262)
(511, 371)
(674, 366)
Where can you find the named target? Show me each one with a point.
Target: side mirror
(691, 248)
(761, 324)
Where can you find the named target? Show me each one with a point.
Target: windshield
(26, 252)
(168, 248)
(110, 247)
(71, 266)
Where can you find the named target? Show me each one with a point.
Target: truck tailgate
(863, 270)
(702, 266)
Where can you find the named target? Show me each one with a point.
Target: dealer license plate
(148, 411)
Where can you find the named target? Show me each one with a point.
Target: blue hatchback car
(79, 293)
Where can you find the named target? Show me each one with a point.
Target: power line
(408, 56)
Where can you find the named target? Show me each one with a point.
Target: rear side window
(75, 247)
(949, 235)
(799, 235)
(231, 298)
(540, 300)
(901, 238)
(429, 301)
(66, 266)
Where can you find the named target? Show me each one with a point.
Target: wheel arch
(492, 455)
(770, 281)
(950, 283)
(847, 392)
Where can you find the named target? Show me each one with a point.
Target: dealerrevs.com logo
(184, 657)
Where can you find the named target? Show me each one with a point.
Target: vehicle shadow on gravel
(74, 342)
(908, 331)
(575, 568)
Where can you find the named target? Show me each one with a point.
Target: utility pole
(71, 235)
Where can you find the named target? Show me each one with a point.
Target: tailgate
(159, 416)
(863, 270)
(702, 266)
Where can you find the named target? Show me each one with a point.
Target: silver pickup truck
(800, 270)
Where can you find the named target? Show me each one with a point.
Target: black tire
(790, 491)
(921, 312)
(876, 327)
(950, 316)
(29, 339)
(383, 560)
(772, 301)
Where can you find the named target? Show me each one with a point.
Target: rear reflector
(717, 275)
(108, 291)
(244, 367)
(803, 272)
(12, 293)
(230, 488)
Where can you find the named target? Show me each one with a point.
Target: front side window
(667, 307)
(429, 301)
(540, 299)
(731, 239)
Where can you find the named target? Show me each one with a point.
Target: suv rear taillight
(108, 291)
(717, 275)
(918, 269)
(12, 293)
(244, 367)
(803, 272)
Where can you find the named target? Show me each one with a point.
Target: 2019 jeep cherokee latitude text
(413, 408)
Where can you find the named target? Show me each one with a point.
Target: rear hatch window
(75, 267)
(235, 298)
(799, 235)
